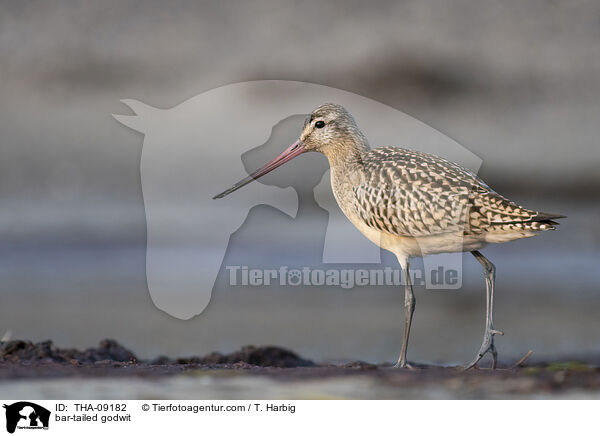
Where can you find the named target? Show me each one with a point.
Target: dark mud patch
(250, 355)
(30, 353)
(44, 359)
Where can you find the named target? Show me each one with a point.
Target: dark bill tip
(296, 149)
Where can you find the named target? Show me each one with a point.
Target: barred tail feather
(541, 221)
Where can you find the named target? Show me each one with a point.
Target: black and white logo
(26, 415)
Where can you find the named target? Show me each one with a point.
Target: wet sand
(110, 371)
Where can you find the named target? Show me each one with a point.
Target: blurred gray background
(517, 83)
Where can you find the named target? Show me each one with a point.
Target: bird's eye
(320, 124)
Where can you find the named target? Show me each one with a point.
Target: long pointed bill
(296, 149)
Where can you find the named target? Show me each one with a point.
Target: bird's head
(329, 126)
(330, 129)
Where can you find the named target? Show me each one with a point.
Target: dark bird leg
(409, 305)
(489, 272)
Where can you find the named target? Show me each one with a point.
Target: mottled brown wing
(409, 193)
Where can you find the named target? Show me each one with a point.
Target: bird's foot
(403, 364)
(486, 347)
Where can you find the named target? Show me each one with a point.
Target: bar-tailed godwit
(412, 204)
